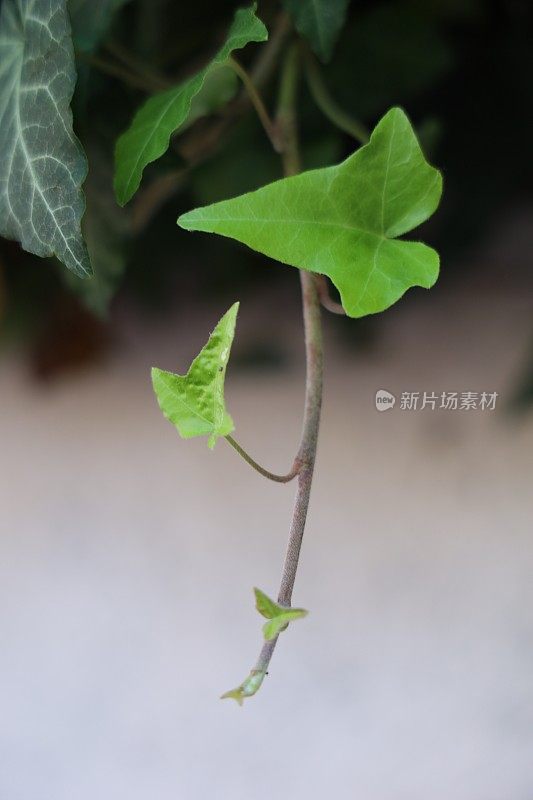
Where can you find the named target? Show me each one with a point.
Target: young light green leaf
(278, 616)
(275, 626)
(267, 607)
(149, 134)
(343, 221)
(320, 21)
(194, 402)
(42, 164)
(248, 687)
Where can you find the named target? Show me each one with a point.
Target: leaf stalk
(328, 105)
(143, 82)
(325, 298)
(272, 476)
(257, 102)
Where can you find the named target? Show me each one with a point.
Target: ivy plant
(344, 223)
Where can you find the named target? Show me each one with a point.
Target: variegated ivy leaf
(149, 134)
(194, 402)
(278, 616)
(344, 221)
(107, 230)
(42, 164)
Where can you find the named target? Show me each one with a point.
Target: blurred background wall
(127, 556)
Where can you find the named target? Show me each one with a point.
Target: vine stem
(137, 66)
(328, 105)
(272, 476)
(121, 73)
(314, 361)
(257, 102)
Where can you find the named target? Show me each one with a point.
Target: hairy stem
(314, 358)
(309, 440)
(286, 116)
(272, 476)
(306, 453)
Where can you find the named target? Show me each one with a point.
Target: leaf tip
(267, 607)
(77, 261)
(120, 196)
(234, 309)
(186, 221)
(247, 688)
(233, 694)
(85, 271)
(155, 372)
(118, 188)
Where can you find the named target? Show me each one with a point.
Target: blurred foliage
(106, 229)
(462, 68)
(91, 21)
(319, 21)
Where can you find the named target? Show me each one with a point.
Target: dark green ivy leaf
(107, 230)
(319, 21)
(42, 164)
(149, 134)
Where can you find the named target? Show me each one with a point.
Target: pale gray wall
(127, 559)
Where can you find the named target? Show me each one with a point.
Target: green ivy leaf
(248, 687)
(320, 21)
(219, 87)
(43, 164)
(343, 221)
(278, 616)
(149, 134)
(194, 402)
